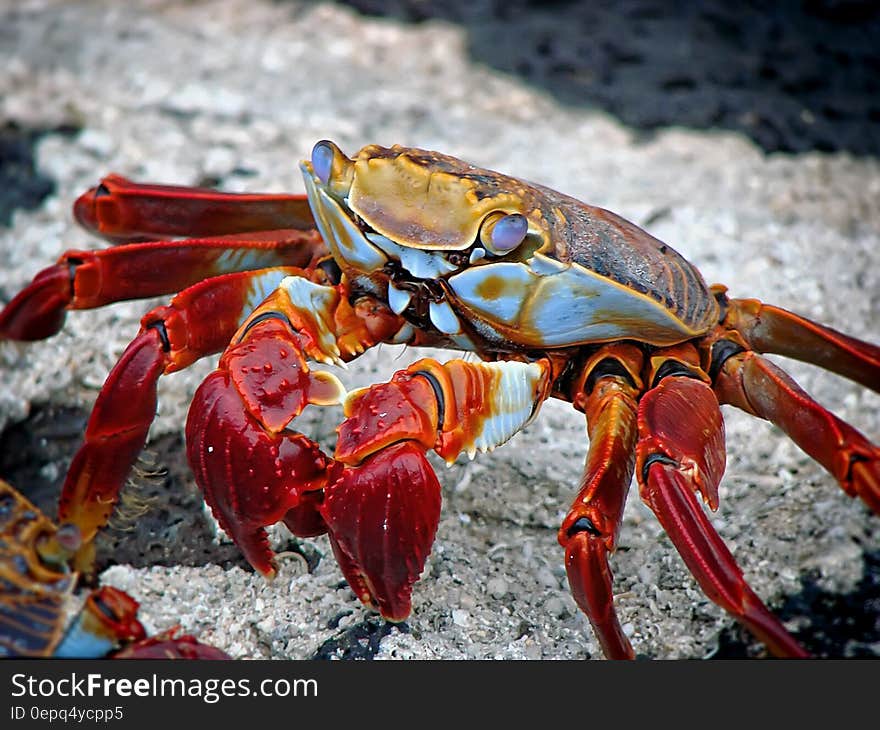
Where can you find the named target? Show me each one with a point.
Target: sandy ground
(240, 91)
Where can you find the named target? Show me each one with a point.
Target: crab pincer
(253, 469)
(382, 516)
(384, 510)
(381, 509)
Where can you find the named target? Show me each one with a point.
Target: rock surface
(236, 92)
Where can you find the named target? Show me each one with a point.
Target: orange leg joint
(607, 395)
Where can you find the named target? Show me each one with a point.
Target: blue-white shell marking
(81, 643)
(547, 303)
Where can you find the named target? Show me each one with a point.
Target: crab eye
(503, 233)
(322, 160)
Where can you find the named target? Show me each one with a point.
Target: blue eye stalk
(322, 160)
(504, 232)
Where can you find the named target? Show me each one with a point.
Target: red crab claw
(253, 469)
(382, 517)
(384, 509)
(170, 644)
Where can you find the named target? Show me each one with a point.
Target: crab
(557, 298)
(37, 584)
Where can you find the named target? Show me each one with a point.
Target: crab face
(418, 220)
(489, 260)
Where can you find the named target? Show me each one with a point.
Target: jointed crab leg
(756, 385)
(681, 451)
(120, 210)
(199, 321)
(589, 531)
(766, 328)
(89, 279)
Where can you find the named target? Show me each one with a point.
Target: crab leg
(383, 509)
(120, 211)
(589, 531)
(89, 279)
(199, 321)
(252, 467)
(107, 621)
(680, 452)
(771, 329)
(759, 387)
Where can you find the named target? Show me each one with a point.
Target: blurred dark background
(794, 76)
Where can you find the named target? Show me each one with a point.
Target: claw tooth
(476, 255)
(404, 334)
(398, 299)
(328, 389)
(444, 318)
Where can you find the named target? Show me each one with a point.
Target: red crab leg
(759, 387)
(199, 321)
(89, 279)
(589, 531)
(170, 644)
(120, 211)
(253, 468)
(107, 621)
(772, 329)
(681, 452)
(383, 509)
